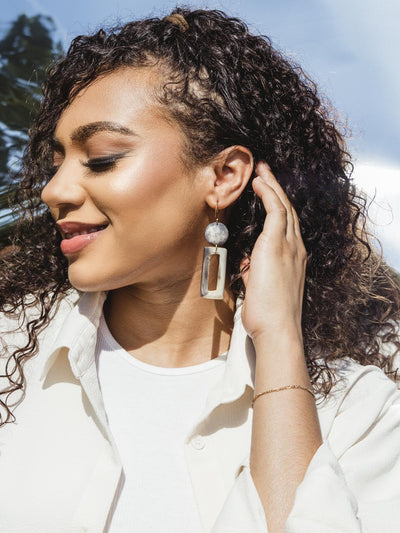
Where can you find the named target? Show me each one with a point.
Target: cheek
(148, 196)
(126, 192)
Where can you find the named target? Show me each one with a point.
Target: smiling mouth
(84, 232)
(77, 236)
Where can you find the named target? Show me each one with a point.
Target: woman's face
(121, 177)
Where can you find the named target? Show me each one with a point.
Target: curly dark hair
(223, 86)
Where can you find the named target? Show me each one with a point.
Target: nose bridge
(64, 187)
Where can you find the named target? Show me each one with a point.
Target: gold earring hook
(216, 220)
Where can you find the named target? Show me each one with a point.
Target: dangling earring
(217, 234)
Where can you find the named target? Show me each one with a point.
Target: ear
(230, 173)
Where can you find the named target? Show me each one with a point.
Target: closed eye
(98, 164)
(102, 164)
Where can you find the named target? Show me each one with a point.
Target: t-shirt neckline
(111, 344)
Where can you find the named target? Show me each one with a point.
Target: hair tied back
(178, 20)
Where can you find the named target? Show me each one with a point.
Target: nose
(64, 188)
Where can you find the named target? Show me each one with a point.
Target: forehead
(122, 96)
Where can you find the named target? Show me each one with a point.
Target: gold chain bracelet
(282, 388)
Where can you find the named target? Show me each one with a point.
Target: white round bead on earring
(216, 233)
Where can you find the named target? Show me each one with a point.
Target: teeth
(84, 232)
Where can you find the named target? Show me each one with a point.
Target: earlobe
(232, 170)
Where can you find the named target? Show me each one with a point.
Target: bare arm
(286, 431)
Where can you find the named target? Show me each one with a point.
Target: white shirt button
(198, 442)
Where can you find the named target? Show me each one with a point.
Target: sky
(349, 47)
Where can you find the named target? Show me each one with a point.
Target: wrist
(280, 360)
(285, 337)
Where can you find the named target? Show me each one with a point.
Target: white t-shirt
(163, 404)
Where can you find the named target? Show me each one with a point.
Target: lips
(77, 235)
(71, 228)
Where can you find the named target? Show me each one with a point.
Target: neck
(170, 325)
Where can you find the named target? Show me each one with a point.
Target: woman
(147, 406)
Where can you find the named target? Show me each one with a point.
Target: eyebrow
(83, 133)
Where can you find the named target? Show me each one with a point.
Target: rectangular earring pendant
(218, 293)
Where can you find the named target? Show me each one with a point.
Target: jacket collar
(78, 334)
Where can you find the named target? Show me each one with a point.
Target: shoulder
(364, 397)
(354, 381)
(14, 327)
(14, 322)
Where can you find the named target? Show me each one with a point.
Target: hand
(275, 279)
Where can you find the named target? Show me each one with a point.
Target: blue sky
(349, 47)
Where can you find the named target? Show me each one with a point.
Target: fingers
(244, 269)
(296, 221)
(276, 219)
(292, 227)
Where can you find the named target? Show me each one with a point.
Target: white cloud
(382, 186)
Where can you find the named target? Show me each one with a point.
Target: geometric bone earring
(217, 234)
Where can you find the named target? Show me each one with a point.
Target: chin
(93, 279)
(87, 280)
(86, 287)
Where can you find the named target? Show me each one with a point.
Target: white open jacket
(60, 470)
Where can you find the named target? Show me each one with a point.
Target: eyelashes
(98, 164)
(102, 164)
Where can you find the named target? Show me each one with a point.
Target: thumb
(244, 269)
